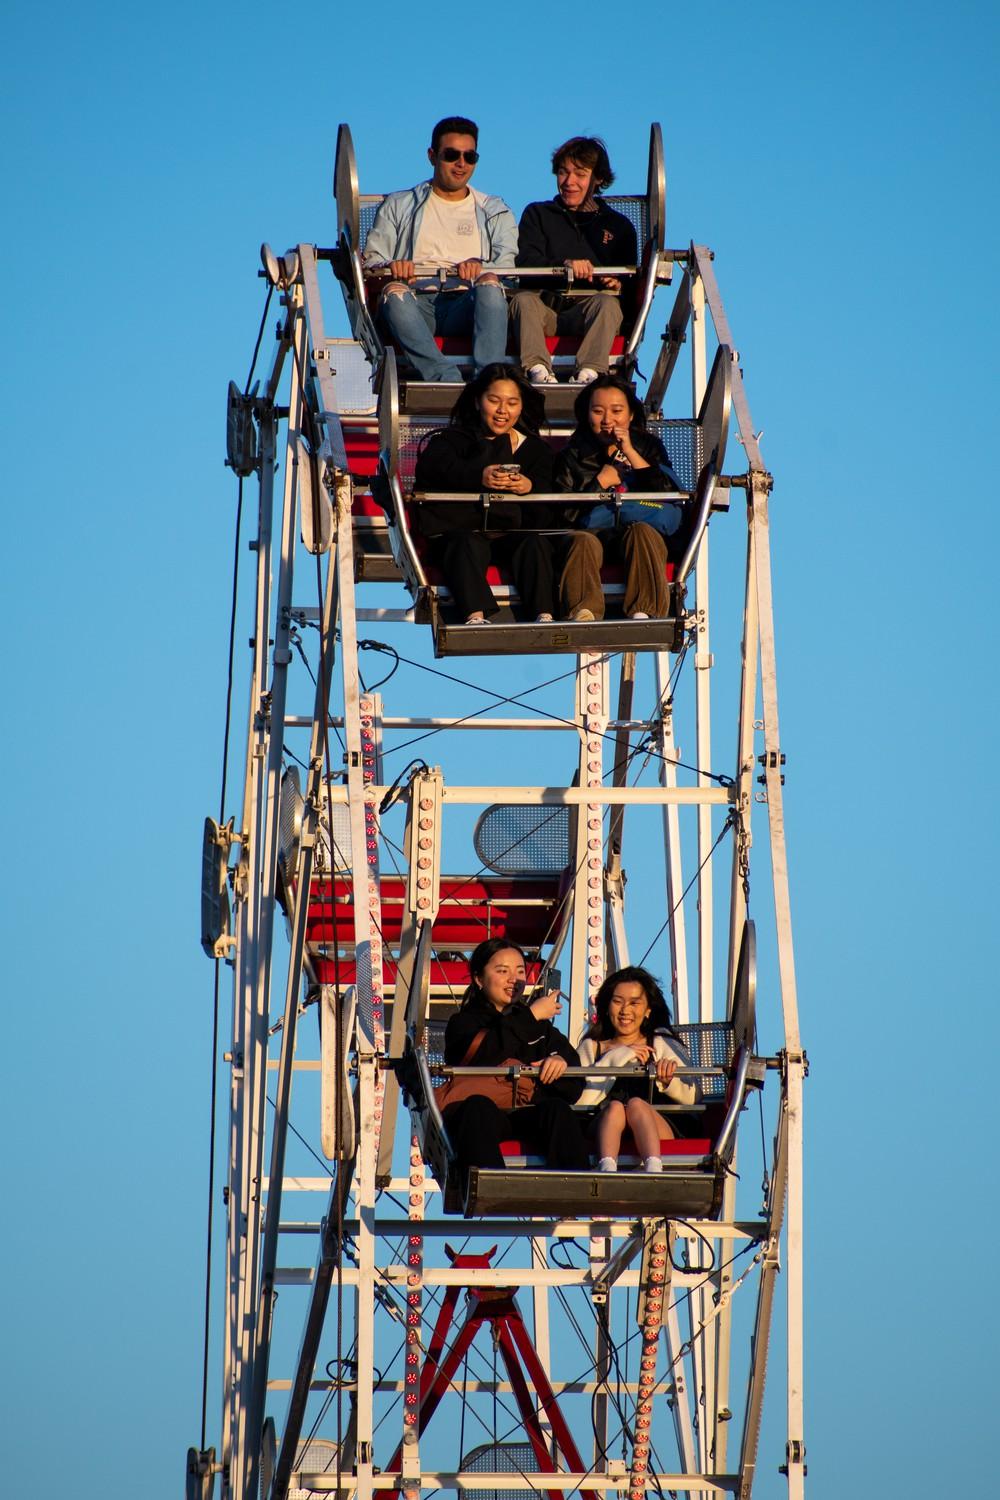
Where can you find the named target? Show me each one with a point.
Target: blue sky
(841, 163)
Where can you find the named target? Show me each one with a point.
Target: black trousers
(464, 557)
(477, 1126)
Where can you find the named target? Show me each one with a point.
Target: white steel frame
(687, 1312)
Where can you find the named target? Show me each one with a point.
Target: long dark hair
(480, 958)
(465, 412)
(581, 406)
(658, 1018)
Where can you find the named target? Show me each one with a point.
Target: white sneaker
(585, 376)
(638, 615)
(477, 619)
(541, 375)
(607, 1164)
(652, 1164)
(582, 616)
(544, 618)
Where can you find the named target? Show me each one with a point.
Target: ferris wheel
(392, 1320)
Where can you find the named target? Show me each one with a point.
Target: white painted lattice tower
(597, 1332)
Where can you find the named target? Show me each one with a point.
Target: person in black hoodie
(577, 230)
(491, 446)
(611, 451)
(494, 1024)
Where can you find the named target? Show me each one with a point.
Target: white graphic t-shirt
(448, 234)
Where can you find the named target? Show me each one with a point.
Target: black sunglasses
(449, 153)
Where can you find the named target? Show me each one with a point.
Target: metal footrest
(562, 637)
(419, 398)
(691, 1191)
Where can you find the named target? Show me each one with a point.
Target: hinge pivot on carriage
(216, 926)
(771, 760)
(795, 1453)
(200, 1475)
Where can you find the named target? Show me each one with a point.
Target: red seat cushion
(520, 909)
(363, 505)
(362, 451)
(520, 1154)
(611, 573)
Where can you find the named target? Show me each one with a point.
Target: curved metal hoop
(703, 496)
(403, 548)
(745, 990)
(281, 270)
(290, 805)
(713, 417)
(271, 264)
(315, 508)
(345, 187)
(388, 412)
(656, 189)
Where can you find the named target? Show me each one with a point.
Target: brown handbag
(506, 1093)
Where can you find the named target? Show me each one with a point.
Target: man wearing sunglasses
(444, 223)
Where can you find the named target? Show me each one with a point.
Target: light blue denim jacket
(397, 224)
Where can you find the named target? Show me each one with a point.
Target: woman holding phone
(491, 446)
(494, 1024)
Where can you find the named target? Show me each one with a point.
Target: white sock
(608, 1164)
(652, 1164)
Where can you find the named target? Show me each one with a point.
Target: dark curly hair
(465, 412)
(658, 1018)
(480, 957)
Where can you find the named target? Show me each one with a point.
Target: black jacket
(453, 461)
(513, 1032)
(550, 233)
(580, 462)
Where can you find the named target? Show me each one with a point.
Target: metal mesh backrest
(522, 840)
(368, 207)
(316, 1456)
(636, 210)
(500, 1458)
(411, 434)
(681, 436)
(340, 857)
(353, 376)
(433, 1040)
(710, 1044)
(290, 831)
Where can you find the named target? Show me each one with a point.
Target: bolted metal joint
(795, 1453)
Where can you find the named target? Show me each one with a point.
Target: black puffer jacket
(513, 1032)
(453, 461)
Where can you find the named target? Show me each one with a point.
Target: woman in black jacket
(612, 451)
(493, 1024)
(491, 446)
